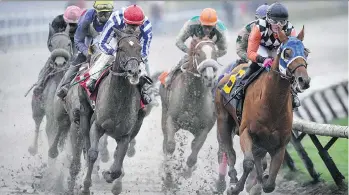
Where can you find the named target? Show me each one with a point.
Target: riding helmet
(277, 12)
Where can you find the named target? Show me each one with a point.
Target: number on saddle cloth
(227, 88)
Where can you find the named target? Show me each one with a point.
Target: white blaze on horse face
(131, 43)
(208, 51)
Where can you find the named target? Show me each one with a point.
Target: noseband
(128, 59)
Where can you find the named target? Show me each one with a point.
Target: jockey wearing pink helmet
(59, 24)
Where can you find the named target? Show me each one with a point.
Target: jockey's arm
(183, 35)
(81, 33)
(147, 36)
(241, 44)
(222, 39)
(108, 33)
(253, 45)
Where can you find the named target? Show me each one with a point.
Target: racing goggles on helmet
(279, 22)
(104, 7)
(105, 14)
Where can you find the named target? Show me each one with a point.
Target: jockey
(70, 17)
(263, 44)
(89, 27)
(132, 16)
(207, 24)
(242, 39)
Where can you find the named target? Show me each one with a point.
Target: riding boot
(40, 85)
(64, 85)
(180, 63)
(295, 101)
(238, 87)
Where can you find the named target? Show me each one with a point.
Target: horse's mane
(194, 42)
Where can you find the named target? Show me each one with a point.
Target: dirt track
(326, 39)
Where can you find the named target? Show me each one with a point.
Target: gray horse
(61, 52)
(187, 102)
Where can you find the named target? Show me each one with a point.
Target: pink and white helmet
(72, 14)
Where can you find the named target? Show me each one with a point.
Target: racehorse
(266, 120)
(187, 103)
(118, 112)
(60, 46)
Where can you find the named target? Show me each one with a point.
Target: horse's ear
(282, 35)
(300, 36)
(67, 29)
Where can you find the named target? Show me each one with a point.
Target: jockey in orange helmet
(207, 24)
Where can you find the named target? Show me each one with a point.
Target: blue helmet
(261, 11)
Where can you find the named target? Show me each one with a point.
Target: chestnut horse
(266, 120)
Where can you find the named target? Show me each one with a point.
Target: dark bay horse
(61, 52)
(118, 110)
(266, 123)
(188, 103)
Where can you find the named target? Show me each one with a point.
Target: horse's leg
(103, 148)
(131, 150)
(63, 122)
(171, 131)
(256, 188)
(225, 127)
(96, 133)
(248, 163)
(115, 170)
(164, 129)
(196, 145)
(75, 166)
(277, 158)
(136, 128)
(38, 115)
(222, 161)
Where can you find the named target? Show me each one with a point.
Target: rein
(195, 61)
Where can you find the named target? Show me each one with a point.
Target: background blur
(23, 52)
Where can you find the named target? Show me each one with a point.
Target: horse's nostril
(129, 71)
(300, 79)
(139, 71)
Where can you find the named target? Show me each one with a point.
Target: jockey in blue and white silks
(133, 16)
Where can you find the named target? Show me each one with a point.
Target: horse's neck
(276, 91)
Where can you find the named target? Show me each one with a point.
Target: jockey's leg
(238, 87)
(97, 69)
(40, 85)
(64, 85)
(181, 62)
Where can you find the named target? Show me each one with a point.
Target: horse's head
(61, 48)
(128, 55)
(203, 56)
(293, 60)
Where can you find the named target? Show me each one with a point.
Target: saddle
(227, 90)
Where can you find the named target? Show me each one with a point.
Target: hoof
(33, 150)
(221, 186)
(104, 155)
(131, 152)
(171, 146)
(268, 188)
(117, 187)
(110, 177)
(85, 192)
(53, 152)
(191, 161)
(188, 172)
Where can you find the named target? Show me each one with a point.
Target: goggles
(279, 22)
